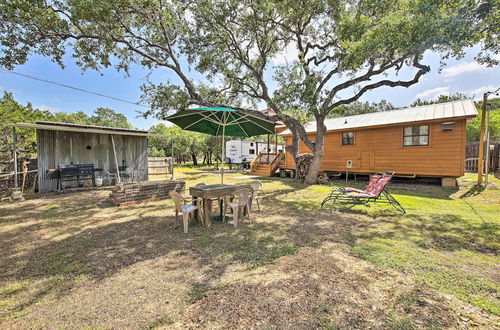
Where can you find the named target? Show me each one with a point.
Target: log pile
(323, 178)
(303, 162)
(144, 192)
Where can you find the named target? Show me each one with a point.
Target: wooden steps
(265, 164)
(261, 170)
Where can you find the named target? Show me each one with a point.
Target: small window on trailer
(251, 151)
(347, 138)
(416, 136)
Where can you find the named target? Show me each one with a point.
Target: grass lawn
(73, 261)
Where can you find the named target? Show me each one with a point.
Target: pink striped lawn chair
(375, 192)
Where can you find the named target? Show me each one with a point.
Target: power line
(72, 87)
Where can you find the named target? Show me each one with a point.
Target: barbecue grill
(81, 173)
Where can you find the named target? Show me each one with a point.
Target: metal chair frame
(347, 197)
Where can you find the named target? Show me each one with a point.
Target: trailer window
(251, 151)
(416, 136)
(347, 138)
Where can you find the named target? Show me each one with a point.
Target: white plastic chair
(256, 186)
(182, 206)
(239, 200)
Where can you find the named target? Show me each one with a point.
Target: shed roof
(449, 110)
(68, 127)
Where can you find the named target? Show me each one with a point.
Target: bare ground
(72, 261)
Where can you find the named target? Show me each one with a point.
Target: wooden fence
(7, 173)
(160, 166)
(472, 156)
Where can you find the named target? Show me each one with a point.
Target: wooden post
(14, 147)
(118, 179)
(276, 142)
(268, 151)
(480, 163)
(487, 148)
(172, 159)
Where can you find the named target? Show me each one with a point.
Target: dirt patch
(327, 287)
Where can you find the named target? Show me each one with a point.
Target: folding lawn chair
(375, 192)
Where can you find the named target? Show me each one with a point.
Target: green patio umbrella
(223, 122)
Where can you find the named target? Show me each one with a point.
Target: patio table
(205, 193)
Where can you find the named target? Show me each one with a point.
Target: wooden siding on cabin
(61, 147)
(381, 149)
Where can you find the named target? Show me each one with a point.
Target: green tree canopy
(344, 48)
(441, 99)
(187, 144)
(357, 108)
(474, 127)
(11, 111)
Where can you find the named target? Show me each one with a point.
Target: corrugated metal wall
(58, 147)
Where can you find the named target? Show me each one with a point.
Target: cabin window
(416, 136)
(251, 151)
(347, 138)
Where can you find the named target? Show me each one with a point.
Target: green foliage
(474, 127)
(343, 46)
(11, 112)
(186, 143)
(109, 118)
(357, 108)
(441, 99)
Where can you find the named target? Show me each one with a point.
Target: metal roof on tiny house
(457, 109)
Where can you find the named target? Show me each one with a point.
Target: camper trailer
(243, 152)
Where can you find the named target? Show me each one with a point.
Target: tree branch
(423, 69)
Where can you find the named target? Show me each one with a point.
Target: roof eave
(84, 130)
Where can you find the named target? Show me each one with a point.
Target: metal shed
(109, 149)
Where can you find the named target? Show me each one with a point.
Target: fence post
(481, 141)
(14, 147)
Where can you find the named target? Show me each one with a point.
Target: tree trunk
(194, 158)
(318, 152)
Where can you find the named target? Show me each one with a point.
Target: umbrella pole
(223, 155)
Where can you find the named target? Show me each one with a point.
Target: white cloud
(477, 93)
(288, 54)
(433, 93)
(465, 67)
(47, 108)
(1, 88)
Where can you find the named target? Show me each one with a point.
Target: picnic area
(74, 260)
(249, 164)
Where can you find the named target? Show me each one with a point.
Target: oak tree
(340, 49)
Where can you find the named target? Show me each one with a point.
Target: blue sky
(465, 76)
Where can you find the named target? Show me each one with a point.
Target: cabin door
(366, 160)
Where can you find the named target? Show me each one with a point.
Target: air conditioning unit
(447, 126)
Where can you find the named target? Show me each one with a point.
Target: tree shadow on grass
(444, 232)
(102, 250)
